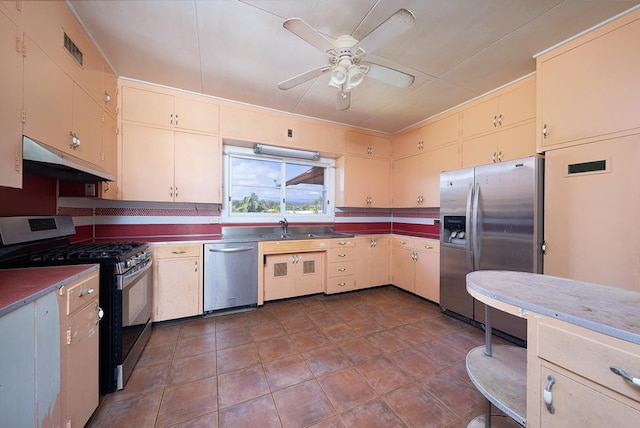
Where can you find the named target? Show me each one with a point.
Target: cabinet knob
(495, 121)
(544, 131)
(500, 120)
(86, 292)
(100, 313)
(107, 97)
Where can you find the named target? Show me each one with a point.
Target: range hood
(38, 158)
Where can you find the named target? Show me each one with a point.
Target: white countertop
(608, 310)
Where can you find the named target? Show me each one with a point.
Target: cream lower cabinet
(416, 266)
(166, 166)
(293, 274)
(341, 265)
(572, 364)
(403, 263)
(177, 281)
(427, 281)
(372, 259)
(80, 347)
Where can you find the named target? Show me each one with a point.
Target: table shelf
(501, 378)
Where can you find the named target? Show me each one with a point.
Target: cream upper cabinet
(368, 145)
(170, 150)
(165, 166)
(363, 182)
(11, 105)
(589, 88)
(256, 125)
(169, 109)
(58, 112)
(416, 179)
(434, 133)
(177, 281)
(506, 144)
(505, 108)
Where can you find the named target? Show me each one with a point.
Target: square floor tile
(374, 413)
(185, 401)
(418, 408)
(286, 372)
(303, 404)
(241, 385)
(258, 412)
(237, 358)
(325, 360)
(346, 388)
(383, 375)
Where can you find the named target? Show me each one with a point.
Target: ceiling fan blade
(309, 34)
(301, 78)
(395, 25)
(387, 75)
(343, 100)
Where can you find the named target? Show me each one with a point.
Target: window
(262, 188)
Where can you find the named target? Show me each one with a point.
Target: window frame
(227, 216)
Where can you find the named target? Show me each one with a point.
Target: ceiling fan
(345, 54)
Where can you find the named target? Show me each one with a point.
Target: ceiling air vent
(72, 49)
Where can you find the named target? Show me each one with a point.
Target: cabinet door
(110, 90)
(403, 270)
(47, 102)
(368, 145)
(11, 89)
(148, 107)
(365, 182)
(407, 179)
(87, 126)
(197, 168)
(480, 117)
(518, 104)
(18, 353)
(109, 157)
(82, 365)
(372, 261)
(479, 150)
(147, 163)
(517, 142)
(591, 88)
(379, 183)
(196, 115)
(436, 161)
(579, 403)
(428, 275)
(309, 273)
(177, 293)
(442, 131)
(279, 277)
(408, 144)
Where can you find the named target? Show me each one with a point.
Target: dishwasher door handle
(231, 250)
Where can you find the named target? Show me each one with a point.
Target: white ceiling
(239, 50)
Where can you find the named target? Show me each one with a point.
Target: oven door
(135, 288)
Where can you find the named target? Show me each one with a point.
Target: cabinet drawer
(429, 246)
(403, 242)
(340, 284)
(82, 292)
(590, 355)
(341, 269)
(340, 255)
(341, 243)
(175, 251)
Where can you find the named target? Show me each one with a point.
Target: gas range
(125, 284)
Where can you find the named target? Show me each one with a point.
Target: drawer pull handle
(428, 247)
(624, 374)
(342, 255)
(342, 270)
(342, 284)
(547, 396)
(86, 292)
(178, 252)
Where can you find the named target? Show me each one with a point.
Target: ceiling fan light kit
(345, 55)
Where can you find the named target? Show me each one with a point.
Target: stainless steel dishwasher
(230, 275)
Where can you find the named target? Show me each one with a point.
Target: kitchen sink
(262, 233)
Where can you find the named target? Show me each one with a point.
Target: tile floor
(373, 358)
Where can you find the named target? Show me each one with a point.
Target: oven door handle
(130, 278)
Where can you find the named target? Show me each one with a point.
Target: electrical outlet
(89, 189)
(214, 220)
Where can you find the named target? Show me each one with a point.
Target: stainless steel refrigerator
(490, 218)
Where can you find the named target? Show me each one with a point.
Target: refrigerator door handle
(469, 228)
(475, 248)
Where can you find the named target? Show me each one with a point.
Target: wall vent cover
(72, 49)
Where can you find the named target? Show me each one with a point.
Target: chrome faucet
(285, 225)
